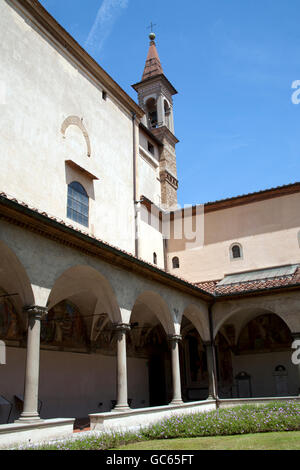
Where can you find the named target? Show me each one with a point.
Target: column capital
(296, 335)
(36, 311)
(207, 344)
(175, 338)
(122, 327)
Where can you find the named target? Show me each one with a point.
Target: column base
(176, 401)
(29, 418)
(211, 397)
(121, 408)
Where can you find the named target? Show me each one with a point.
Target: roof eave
(161, 76)
(256, 292)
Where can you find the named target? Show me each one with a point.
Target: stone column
(212, 392)
(296, 337)
(31, 389)
(177, 398)
(122, 391)
(160, 111)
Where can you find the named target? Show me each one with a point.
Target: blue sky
(233, 63)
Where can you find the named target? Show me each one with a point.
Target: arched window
(236, 251)
(175, 262)
(78, 204)
(154, 258)
(152, 113)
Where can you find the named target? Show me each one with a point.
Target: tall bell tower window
(152, 113)
(78, 204)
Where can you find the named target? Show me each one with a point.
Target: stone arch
(152, 111)
(149, 304)
(85, 284)
(247, 367)
(242, 316)
(195, 315)
(76, 121)
(269, 331)
(14, 279)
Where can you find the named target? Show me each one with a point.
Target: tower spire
(153, 66)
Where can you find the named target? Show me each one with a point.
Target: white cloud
(107, 15)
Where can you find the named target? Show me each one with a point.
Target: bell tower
(155, 96)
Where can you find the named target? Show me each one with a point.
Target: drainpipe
(135, 202)
(165, 248)
(211, 331)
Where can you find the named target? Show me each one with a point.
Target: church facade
(111, 297)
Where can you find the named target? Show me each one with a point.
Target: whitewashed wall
(42, 88)
(73, 385)
(261, 368)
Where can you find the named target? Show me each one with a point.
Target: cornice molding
(163, 133)
(248, 198)
(253, 197)
(157, 78)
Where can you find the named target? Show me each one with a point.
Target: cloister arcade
(87, 337)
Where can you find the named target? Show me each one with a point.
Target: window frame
(74, 204)
(232, 257)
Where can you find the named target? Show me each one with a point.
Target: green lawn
(264, 441)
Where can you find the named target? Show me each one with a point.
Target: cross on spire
(151, 27)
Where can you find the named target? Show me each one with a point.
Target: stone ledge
(145, 416)
(29, 433)
(224, 402)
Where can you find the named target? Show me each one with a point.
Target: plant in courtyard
(246, 419)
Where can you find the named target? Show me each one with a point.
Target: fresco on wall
(64, 327)
(103, 334)
(9, 324)
(266, 332)
(147, 339)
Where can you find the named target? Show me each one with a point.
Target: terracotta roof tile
(250, 286)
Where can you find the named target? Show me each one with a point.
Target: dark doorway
(157, 384)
